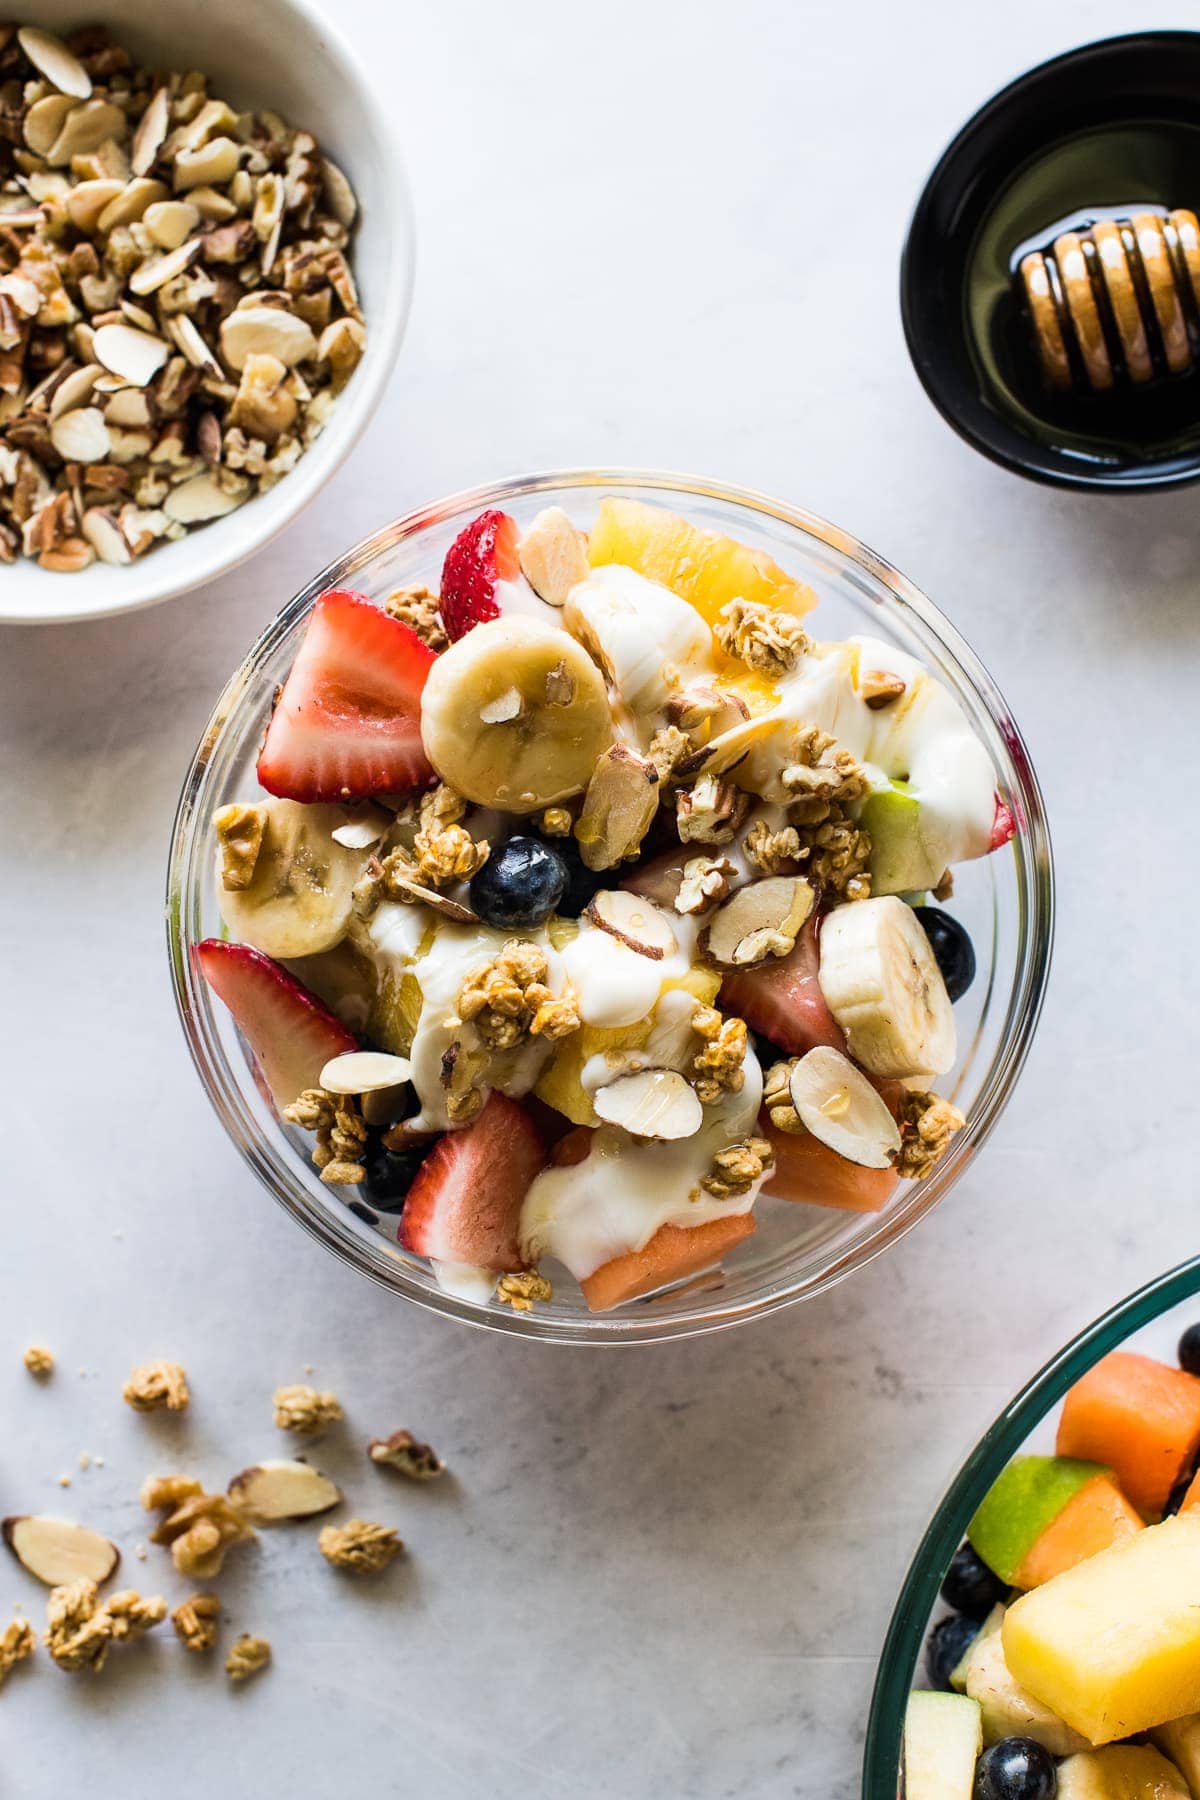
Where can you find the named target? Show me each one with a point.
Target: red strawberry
(348, 722)
(1004, 826)
(482, 554)
(465, 1202)
(782, 998)
(290, 1033)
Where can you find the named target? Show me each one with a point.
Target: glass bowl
(1152, 1321)
(1005, 901)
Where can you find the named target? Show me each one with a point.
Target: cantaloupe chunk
(1122, 1772)
(673, 1252)
(807, 1169)
(1140, 1418)
(1113, 1645)
(703, 567)
(1096, 1517)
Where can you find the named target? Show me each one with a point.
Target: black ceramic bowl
(1100, 132)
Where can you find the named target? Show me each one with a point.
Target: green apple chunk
(942, 1741)
(902, 860)
(1120, 1772)
(1021, 1502)
(1008, 1710)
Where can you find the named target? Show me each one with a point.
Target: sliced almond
(363, 1071)
(553, 555)
(503, 708)
(128, 408)
(438, 903)
(363, 830)
(201, 498)
(151, 132)
(338, 194)
(761, 919)
(273, 1491)
(705, 709)
(618, 807)
(633, 919)
(211, 165)
(43, 122)
(160, 269)
(387, 1106)
(727, 749)
(881, 688)
(132, 203)
(134, 355)
(23, 293)
(193, 346)
(86, 203)
(656, 1103)
(51, 58)
(81, 436)
(58, 1551)
(105, 536)
(85, 128)
(839, 1106)
(171, 222)
(266, 331)
(75, 390)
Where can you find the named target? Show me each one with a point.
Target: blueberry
(389, 1174)
(1189, 1350)
(582, 882)
(952, 948)
(1016, 1769)
(946, 1646)
(970, 1586)
(519, 885)
(1177, 1496)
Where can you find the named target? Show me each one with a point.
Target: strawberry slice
(465, 1202)
(782, 998)
(482, 554)
(292, 1036)
(1004, 826)
(348, 721)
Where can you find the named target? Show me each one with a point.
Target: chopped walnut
(402, 1451)
(927, 1124)
(736, 1168)
(718, 1066)
(341, 1134)
(200, 1528)
(247, 1656)
(711, 812)
(668, 747)
(705, 882)
(767, 641)
(359, 1546)
(240, 834)
(39, 1361)
(777, 1096)
(417, 607)
(556, 821)
(443, 850)
(774, 852)
(520, 1291)
(195, 1620)
(508, 1000)
(156, 1385)
(303, 1409)
(81, 1627)
(16, 1643)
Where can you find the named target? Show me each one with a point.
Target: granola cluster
(735, 1169)
(711, 811)
(200, 1528)
(706, 882)
(16, 1643)
(777, 1096)
(195, 1620)
(523, 1290)
(508, 1001)
(443, 849)
(303, 1409)
(927, 1124)
(39, 1361)
(177, 314)
(402, 1452)
(340, 1130)
(247, 1656)
(157, 1385)
(717, 1067)
(769, 642)
(360, 1546)
(418, 607)
(81, 1628)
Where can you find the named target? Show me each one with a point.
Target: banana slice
(882, 984)
(515, 715)
(837, 1104)
(637, 629)
(299, 896)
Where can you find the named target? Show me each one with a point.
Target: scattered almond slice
(51, 58)
(274, 1491)
(159, 270)
(364, 1071)
(58, 1551)
(151, 132)
(339, 195)
(363, 830)
(449, 909)
(74, 391)
(618, 807)
(553, 556)
(838, 1105)
(633, 919)
(200, 498)
(655, 1103)
(727, 749)
(134, 355)
(81, 435)
(761, 919)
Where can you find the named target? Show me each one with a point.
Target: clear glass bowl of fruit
(578, 944)
(1046, 1643)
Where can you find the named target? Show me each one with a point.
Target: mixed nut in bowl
(205, 266)
(575, 942)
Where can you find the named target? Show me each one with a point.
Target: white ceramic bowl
(283, 55)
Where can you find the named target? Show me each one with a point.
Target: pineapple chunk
(1008, 1710)
(1113, 1645)
(700, 566)
(560, 1083)
(1122, 1772)
(941, 1744)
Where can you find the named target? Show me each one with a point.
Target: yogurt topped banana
(623, 873)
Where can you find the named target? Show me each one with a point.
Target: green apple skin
(1026, 1497)
(943, 1736)
(901, 862)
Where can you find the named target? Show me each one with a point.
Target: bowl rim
(354, 411)
(1036, 905)
(899, 1658)
(1081, 480)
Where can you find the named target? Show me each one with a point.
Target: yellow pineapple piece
(395, 1012)
(700, 566)
(1122, 1772)
(1113, 1645)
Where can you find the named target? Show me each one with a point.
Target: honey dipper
(1117, 303)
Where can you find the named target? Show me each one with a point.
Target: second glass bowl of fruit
(1049, 1629)
(578, 903)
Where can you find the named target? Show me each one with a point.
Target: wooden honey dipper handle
(1117, 303)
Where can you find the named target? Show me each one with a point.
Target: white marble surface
(663, 1572)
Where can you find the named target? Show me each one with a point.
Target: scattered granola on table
(81, 1628)
(196, 1620)
(200, 1528)
(177, 313)
(157, 1385)
(17, 1641)
(247, 1656)
(359, 1546)
(301, 1408)
(39, 1361)
(401, 1451)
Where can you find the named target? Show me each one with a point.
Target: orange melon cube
(673, 1252)
(1140, 1418)
(806, 1169)
(1093, 1519)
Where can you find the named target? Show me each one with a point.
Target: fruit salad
(587, 899)
(1069, 1664)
